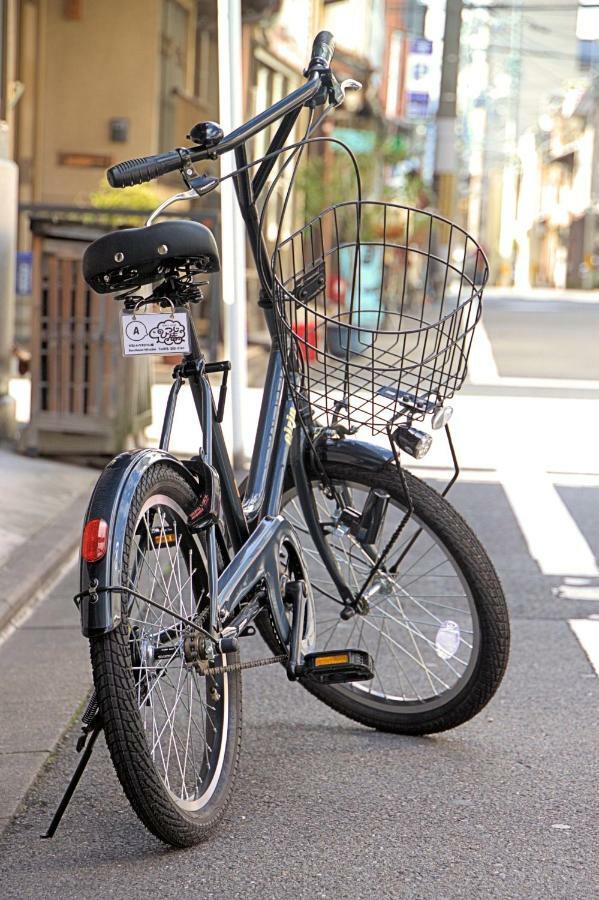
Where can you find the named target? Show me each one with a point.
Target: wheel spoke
(411, 613)
(183, 726)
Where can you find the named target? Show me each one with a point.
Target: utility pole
(230, 67)
(8, 247)
(8, 216)
(446, 155)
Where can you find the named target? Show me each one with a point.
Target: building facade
(556, 226)
(86, 83)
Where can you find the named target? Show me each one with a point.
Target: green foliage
(141, 196)
(328, 177)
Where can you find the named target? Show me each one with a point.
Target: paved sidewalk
(42, 504)
(44, 661)
(45, 675)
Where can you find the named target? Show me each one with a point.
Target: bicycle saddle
(131, 257)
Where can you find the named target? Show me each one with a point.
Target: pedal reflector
(163, 537)
(337, 667)
(331, 660)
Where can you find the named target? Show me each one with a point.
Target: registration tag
(160, 333)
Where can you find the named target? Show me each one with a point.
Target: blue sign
(421, 45)
(24, 278)
(417, 104)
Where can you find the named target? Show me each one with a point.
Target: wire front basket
(376, 306)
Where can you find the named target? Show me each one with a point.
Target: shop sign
(419, 73)
(24, 268)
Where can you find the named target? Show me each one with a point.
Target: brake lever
(338, 90)
(198, 186)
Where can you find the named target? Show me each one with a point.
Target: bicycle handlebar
(146, 168)
(323, 50)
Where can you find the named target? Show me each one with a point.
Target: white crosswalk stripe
(554, 539)
(587, 632)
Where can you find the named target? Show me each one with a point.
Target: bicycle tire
(118, 692)
(464, 548)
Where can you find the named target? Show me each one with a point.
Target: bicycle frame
(256, 530)
(276, 424)
(277, 412)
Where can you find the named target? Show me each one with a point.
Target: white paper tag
(160, 333)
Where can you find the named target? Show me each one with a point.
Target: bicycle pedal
(337, 666)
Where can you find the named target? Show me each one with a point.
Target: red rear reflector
(95, 540)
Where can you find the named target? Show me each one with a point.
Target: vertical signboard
(419, 75)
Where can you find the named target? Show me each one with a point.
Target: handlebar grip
(323, 49)
(137, 171)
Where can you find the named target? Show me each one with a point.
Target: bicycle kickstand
(91, 728)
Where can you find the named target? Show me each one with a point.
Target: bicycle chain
(240, 666)
(250, 664)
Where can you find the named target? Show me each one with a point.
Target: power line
(524, 7)
(533, 7)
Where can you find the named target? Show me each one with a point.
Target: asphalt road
(544, 338)
(505, 806)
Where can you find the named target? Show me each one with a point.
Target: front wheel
(173, 734)
(437, 628)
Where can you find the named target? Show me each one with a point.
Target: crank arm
(229, 642)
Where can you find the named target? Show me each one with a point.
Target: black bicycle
(367, 586)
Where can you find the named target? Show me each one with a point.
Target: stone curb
(25, 572)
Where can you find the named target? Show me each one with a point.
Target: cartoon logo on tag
(136, 330)
(168, 332)
(155, 333)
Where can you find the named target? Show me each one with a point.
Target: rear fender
(111, 500)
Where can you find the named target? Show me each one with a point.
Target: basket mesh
(376, 306)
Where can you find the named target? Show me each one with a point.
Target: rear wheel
(173, 734)
(437, 630)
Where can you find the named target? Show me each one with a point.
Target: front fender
(111, 501)
(351, 453)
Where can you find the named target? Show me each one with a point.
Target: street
(505, 806)
(543, 336)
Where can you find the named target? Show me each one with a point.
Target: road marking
(587, 632)
(546, 295)
(575, 479)
(482, 368)
(491, 476)
(532, 382)
(554, 539)
(577, 592)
